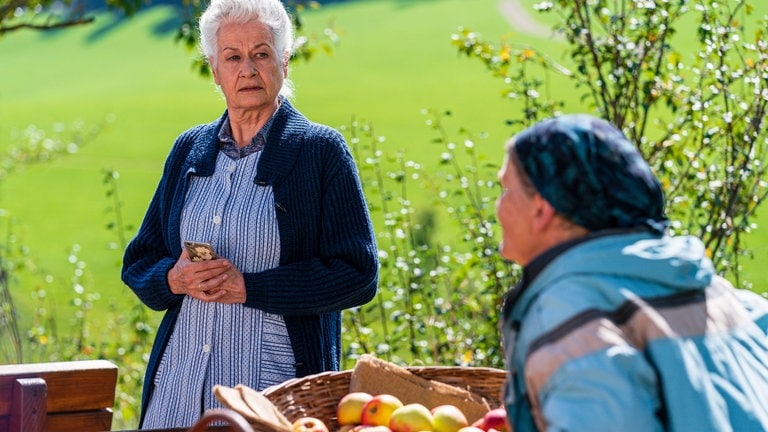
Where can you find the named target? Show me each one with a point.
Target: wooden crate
(57, 396)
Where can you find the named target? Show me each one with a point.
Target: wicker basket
(318, 395)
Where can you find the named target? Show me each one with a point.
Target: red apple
(350, 408)
(413, 417)
(378, 410)
(448, 418)
(496, 419)
(308, 424)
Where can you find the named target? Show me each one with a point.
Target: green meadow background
(394, 61)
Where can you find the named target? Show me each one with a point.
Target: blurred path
(518, 16)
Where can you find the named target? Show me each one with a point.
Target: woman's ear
(543, 214)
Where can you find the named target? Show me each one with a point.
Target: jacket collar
(533, 269)
(520, 296)
(284, 142)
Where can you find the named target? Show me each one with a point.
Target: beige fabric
(253, 406)
(376, 376)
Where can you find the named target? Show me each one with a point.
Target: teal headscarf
(589, 172)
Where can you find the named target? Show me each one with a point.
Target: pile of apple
(363, 412)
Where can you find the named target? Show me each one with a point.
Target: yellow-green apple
(448, 418)
(413, 417)
(378, 410)
(308, 424)
(496, 419)
(350, 408)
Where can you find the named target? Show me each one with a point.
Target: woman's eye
(261, 55)
(233, 58)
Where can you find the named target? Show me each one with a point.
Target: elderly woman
(615, 325)
(279, 199)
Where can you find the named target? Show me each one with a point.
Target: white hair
(271, 13)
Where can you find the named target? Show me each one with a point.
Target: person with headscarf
(616, 325)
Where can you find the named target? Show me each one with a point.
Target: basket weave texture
(318, 395)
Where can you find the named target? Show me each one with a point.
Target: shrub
(698, 117)
(439, 292)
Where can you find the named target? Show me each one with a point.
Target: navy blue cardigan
(328, 256)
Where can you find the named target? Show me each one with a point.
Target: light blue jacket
(632, 332)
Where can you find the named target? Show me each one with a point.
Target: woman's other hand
(231, 285)
(214, 280)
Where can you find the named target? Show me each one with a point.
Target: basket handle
(235, 420)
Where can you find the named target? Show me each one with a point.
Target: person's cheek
(500, 209)
(502, 219)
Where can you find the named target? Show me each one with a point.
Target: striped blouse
(214, 343)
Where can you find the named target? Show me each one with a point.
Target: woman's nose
(249, 68)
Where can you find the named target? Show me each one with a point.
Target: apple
(350, 408)
(308, 424)
(448, 418)
(413, 417)
(378, 410)
(496, 419)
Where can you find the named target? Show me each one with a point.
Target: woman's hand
(231, 284)
(214, 280)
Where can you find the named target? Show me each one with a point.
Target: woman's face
(514, 210)
(249, 70)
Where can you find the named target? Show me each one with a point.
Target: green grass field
(130, 71)
(394, 60)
